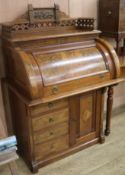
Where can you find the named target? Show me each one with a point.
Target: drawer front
(51, 133)
(51, 119)
(73, 86)
(48, 107)
(48, 149)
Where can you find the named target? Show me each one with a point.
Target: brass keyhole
(51, 133)
(55, 90)
(50, 105)
(51, 120)
(52, 147)
(101, 76)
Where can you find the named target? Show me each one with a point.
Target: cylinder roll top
(51, 71)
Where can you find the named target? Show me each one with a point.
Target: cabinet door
(87, 114)
(85, 117)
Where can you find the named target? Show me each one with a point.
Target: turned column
(109, 110)
(102, 136)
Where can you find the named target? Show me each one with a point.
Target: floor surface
(105, 159)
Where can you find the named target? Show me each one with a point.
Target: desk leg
(13, 168)
(102, 136)
(109, 110)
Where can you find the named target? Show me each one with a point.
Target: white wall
(11, 9)
(83, 8)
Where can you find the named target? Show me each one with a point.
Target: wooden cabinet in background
(57, 73)
(112, 24)
(112, 19)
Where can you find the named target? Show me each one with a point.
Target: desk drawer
(51, 133)
(51, 119)
(48, 107)
(52, 147)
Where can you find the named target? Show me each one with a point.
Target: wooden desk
(57, 74)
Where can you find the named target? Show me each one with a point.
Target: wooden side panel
(21, 125)
(74, 119)
(22, 70)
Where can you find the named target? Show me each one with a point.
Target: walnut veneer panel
(69, 65)
(87, 114)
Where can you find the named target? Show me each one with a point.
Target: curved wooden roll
(53, 72)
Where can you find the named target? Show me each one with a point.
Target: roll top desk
(57, 71)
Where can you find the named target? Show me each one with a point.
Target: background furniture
(112, 24)
(112, 21)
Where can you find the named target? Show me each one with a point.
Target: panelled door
(85, 117)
